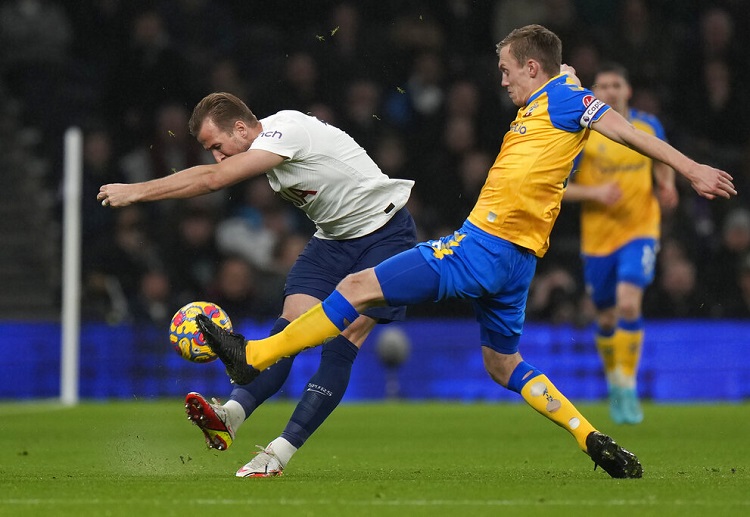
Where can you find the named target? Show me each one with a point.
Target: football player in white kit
(360, 220)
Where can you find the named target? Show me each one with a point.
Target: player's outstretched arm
(191, 182)
(707, 181)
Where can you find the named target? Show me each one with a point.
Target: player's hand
(570, 72)
(710, 182)
(117, 195)
(607, 194)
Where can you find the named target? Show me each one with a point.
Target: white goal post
(71, 267)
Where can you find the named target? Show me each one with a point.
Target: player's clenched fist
(116, 195)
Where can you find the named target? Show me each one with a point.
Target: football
(186, 337)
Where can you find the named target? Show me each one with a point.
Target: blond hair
(535, 42)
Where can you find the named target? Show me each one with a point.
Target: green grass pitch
(144, 458)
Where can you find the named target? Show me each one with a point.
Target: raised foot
(211, 419)
(230, 348)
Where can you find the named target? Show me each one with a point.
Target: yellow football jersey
(636, 214)
(521, 197)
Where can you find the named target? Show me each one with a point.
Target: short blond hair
(535, 42)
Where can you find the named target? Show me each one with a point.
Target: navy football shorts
(324, 262)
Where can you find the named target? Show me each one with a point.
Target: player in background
(360, 219)
(492, 258)
(620, 230)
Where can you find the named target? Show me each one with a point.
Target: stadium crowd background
(415, 83)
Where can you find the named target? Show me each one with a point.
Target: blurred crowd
(414, 82)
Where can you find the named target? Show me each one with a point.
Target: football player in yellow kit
(491, 259)
(620, 222)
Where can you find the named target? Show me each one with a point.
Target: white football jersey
(329, 176)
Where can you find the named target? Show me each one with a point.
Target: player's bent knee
(362, 289)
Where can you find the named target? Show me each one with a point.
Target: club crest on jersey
(531, 109)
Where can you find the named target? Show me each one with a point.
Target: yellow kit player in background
(620, 227)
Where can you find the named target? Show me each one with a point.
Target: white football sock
(236, 414)
(283, 450)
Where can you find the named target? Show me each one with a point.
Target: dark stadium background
(416, 84)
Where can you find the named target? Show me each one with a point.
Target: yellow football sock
(606, 347)
(543, 396)
(627, 347)
(311, 329)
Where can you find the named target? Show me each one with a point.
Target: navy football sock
(267, 383)
(324, 391)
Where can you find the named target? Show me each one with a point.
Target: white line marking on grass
(377, 502)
